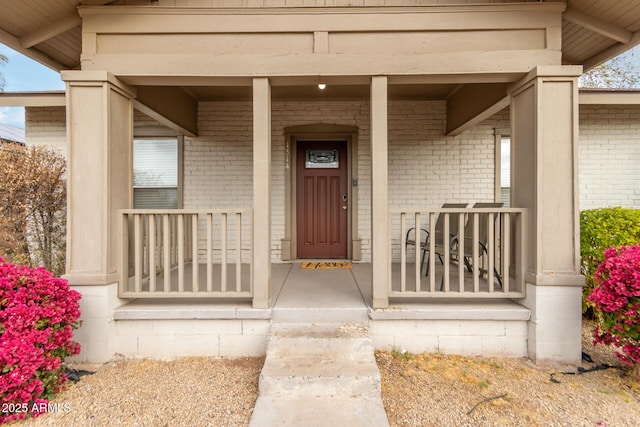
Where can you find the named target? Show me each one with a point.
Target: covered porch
(408, 137)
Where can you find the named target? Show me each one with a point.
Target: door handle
(344, 207)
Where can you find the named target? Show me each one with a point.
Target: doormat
(324, 265)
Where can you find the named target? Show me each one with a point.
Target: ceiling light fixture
(321, 86)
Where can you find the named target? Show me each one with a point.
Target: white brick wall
(425, 167)
(609, 156)
(47, 126)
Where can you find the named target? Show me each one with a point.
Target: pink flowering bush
(617, 297)
(38, 314)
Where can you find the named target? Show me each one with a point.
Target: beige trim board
(555, 279)
(89, 279)
(33, 99)
(612, 97)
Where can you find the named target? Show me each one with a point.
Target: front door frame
(320, 132)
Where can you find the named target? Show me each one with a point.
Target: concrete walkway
(320, 368)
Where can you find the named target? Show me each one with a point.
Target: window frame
(159, 133)
(499, 134)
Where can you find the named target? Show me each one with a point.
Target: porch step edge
(320, 315)
(454, 311)
(181, 311)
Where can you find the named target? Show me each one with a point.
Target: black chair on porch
(423, 237)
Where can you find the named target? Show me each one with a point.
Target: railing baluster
(209, 252)
(238, 252)
(223, 254)
(446, 243)
(251, 253)
(181, 244)
(151, 222)
(432, 252)
(166, 246)
(403, 251)
(461, 252)
(137, 230)
(195, 265)
(418, 268)
(490, 253)
(475, 251)
(506, 253)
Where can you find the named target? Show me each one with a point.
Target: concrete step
(312, 338)
(319, 374)
(319, 411)
(320, 315)
(314, 376)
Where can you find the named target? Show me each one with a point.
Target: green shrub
(601, 229)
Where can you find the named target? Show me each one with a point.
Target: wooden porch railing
(478, 253)
(186, 253)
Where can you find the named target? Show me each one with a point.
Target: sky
(24, 74)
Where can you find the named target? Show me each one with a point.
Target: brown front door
(322, 199)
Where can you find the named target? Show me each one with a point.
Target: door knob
(344, 207)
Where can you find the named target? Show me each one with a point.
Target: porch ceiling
(332, 91)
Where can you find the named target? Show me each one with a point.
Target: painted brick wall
(609, 156)
(426, 168)
(47, 126)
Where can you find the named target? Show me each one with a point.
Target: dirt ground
(442, 390)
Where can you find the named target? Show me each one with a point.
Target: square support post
(261, 193)
(380, 238)
(99, 157)
(544, 120)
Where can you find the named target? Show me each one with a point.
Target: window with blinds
(505, 170)
(155, 173)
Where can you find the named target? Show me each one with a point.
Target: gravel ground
(427, 390)
(183, 392)
(439, 390)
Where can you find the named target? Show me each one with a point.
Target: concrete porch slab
(320, 296)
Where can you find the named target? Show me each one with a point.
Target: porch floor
(329, 296)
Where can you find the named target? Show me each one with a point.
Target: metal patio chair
(483, 239)
(423, 236)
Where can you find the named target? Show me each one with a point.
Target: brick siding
(609, 156)
(426, 168)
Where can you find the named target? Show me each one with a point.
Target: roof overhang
(33, 99)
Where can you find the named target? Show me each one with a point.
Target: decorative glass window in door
(322, 159)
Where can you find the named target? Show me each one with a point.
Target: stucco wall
(609, 156)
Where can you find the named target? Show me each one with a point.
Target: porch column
(99, 132)
(380, 238)
(544, 120)
(261, 192)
